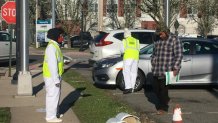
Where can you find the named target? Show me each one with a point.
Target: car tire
(140, 80)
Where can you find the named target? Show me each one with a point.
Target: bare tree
(112, 14)
(129, 14)
(75, 15)
(155, 9)
(206, 16)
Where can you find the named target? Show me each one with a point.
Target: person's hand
(58, 85)
(175, 72)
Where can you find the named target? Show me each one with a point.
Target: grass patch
(5, 115)
(97, 105)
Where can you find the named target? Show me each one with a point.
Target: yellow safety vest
(131, 48)
(59, 57)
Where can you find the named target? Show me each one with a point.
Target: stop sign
(8, 12)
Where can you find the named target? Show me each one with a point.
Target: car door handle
(186, 60)
(6, 44)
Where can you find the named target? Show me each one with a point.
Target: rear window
(99, 37)
(143, 37)
(119, 36)
(86, 35)
(4, 37)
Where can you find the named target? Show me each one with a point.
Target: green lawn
(5, 115)
(95, 105)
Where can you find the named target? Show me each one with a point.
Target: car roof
(199, 39)
(131, 30)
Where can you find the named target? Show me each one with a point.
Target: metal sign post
(10, 51)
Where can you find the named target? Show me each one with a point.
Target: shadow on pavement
(213, 90)
(35, 75)
(81, 65)
(151, 97)
(6, 63)
(70, 99)
(100, 86)
(38, 88)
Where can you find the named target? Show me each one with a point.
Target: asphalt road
(199, 104)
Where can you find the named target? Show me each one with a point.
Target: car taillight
(102, 42)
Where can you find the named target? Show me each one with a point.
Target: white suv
(108, 44)
(5, 46)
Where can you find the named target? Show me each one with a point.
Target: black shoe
(127, 91)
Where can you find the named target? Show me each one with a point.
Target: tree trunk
(68, 41)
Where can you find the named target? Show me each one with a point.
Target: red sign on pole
(8, 12)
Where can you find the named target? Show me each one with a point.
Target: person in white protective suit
(52, 71)
(130, 48)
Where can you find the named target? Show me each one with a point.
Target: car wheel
(139, 81)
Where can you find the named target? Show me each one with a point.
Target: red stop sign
(8, 12)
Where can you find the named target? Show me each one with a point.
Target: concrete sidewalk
(32, 109)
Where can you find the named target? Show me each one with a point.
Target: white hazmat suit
(130, 67)
(52, 91)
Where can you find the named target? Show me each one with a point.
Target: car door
(4, 45)
(205, 62)
(186, 65)
(145, 62)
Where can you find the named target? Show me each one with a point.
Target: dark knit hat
(54, 34)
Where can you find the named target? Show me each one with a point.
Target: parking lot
(199, 103)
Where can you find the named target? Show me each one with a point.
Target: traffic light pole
(167, 13)
(24, 77)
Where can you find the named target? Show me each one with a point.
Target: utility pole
(53, 13)
(167, 12)
(37, 16)
(100, 15)
(24, 77)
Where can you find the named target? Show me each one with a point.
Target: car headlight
(106, 65)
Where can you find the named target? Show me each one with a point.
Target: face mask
(60, 39)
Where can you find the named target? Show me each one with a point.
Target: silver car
(199, 65)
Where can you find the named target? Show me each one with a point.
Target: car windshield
(147, 49)
(4, 37)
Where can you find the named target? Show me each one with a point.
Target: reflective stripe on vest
(131, 48)
(60, 60)
(126, 46)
